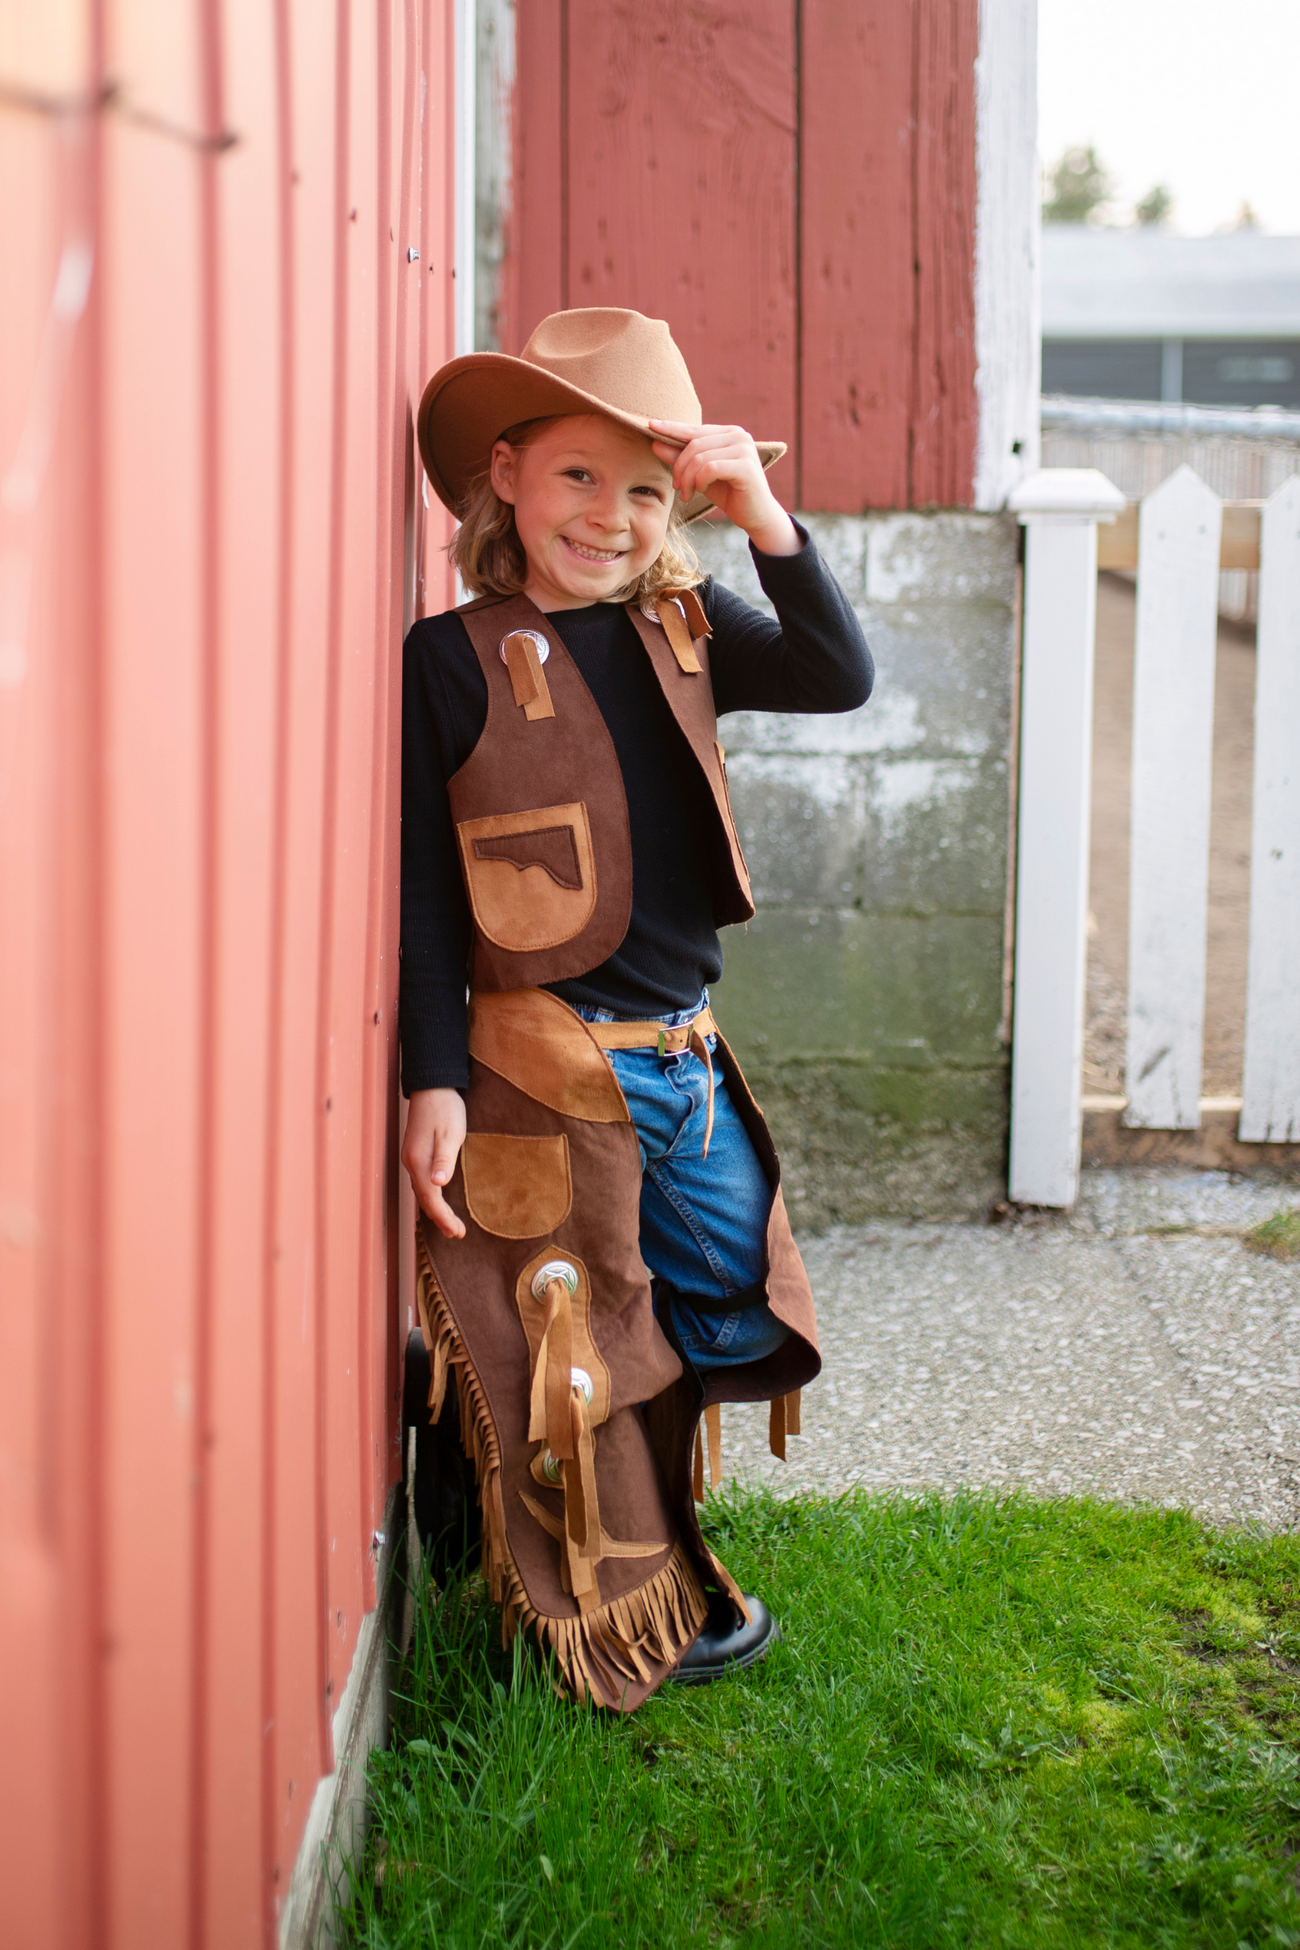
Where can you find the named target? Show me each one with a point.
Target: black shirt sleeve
(444, 704)
(812, 657)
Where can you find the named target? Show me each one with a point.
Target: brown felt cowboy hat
(601, 359)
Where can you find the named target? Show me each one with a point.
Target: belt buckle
(662, 1040)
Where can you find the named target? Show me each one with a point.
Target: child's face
(591, 501)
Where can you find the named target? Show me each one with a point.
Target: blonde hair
(489, 555)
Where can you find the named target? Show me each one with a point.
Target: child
(604, 1252)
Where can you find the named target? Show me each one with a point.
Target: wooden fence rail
(1178, 539)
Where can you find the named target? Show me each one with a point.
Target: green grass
(1279, 1236)
(992, 1722)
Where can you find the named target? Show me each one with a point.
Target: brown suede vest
(540, 808)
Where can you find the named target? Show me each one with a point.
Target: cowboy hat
(595, 360)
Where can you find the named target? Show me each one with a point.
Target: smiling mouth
(600, 555)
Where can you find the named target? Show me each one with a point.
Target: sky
(1203, 95)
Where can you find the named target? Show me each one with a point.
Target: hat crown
(621, 357)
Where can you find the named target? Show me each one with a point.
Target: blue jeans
(703, 1220)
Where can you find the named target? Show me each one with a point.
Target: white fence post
(1270, 1109)
(1169, 857)
(1060, 507)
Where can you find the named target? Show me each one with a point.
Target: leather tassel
(548, 1406)
(527, 678)
(581, 1516)
(696, 621)
(701, 1049)
(679, 636)
(713, 1428)
(776, 1427)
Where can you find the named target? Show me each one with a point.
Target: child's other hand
(723, 463)
(435, 1131)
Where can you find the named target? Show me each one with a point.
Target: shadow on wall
(866, 998)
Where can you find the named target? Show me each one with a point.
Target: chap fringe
(603, 1651)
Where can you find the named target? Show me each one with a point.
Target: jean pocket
(704, 1333)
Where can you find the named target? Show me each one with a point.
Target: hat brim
(469, 403)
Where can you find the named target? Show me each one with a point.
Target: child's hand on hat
(724, 463)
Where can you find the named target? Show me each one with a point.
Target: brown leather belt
(669, 1039)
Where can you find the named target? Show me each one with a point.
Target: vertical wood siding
(208, 487)
(793, 188)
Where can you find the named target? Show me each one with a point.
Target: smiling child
(604, 1253)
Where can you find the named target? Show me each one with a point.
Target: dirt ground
(1234, 706)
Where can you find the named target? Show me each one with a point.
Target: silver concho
(581, 1380)
(554, 1269)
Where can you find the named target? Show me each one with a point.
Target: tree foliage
(1157, 205)
(1080, 185)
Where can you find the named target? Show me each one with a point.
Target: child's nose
(606, 511)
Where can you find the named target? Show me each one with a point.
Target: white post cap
(1066, 494)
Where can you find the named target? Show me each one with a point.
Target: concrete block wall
(866, 999)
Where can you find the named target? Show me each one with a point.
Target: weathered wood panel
(1007, 247)
(534, 266)
(794, 189)
(679, 139)
(858, 269)
(943, 408)
(1270, 1109)
(1173, 725)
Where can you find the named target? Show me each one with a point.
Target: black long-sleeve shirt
(813, 658)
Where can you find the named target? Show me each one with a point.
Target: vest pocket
(516, 1187)
(531, 876)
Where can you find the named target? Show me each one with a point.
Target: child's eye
(577, 474)
(654, 493)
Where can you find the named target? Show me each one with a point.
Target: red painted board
(245, 456)
(944, 407)
(534, 271)
(858, 280)
(680, 150)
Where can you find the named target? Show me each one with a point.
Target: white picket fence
(1173, 718)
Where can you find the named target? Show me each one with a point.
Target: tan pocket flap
(531, 876)
(516, 1187)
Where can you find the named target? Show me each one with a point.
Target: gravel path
(1096, 1354)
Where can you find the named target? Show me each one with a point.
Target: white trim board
(1007, 303)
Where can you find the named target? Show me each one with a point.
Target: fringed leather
(607, 1648)
(782, 1420)
(713, 1429)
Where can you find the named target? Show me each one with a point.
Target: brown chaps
(581, 1418)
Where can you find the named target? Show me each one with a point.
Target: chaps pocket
(531, 875)
(516, 1187)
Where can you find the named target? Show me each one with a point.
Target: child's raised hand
(435, 1131)
(724, 463)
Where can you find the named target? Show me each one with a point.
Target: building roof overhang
(1147, 283)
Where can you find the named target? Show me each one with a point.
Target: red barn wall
(211, 536)
(792, 186)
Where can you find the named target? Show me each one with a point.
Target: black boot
(727, 1644)
(446, 1505)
